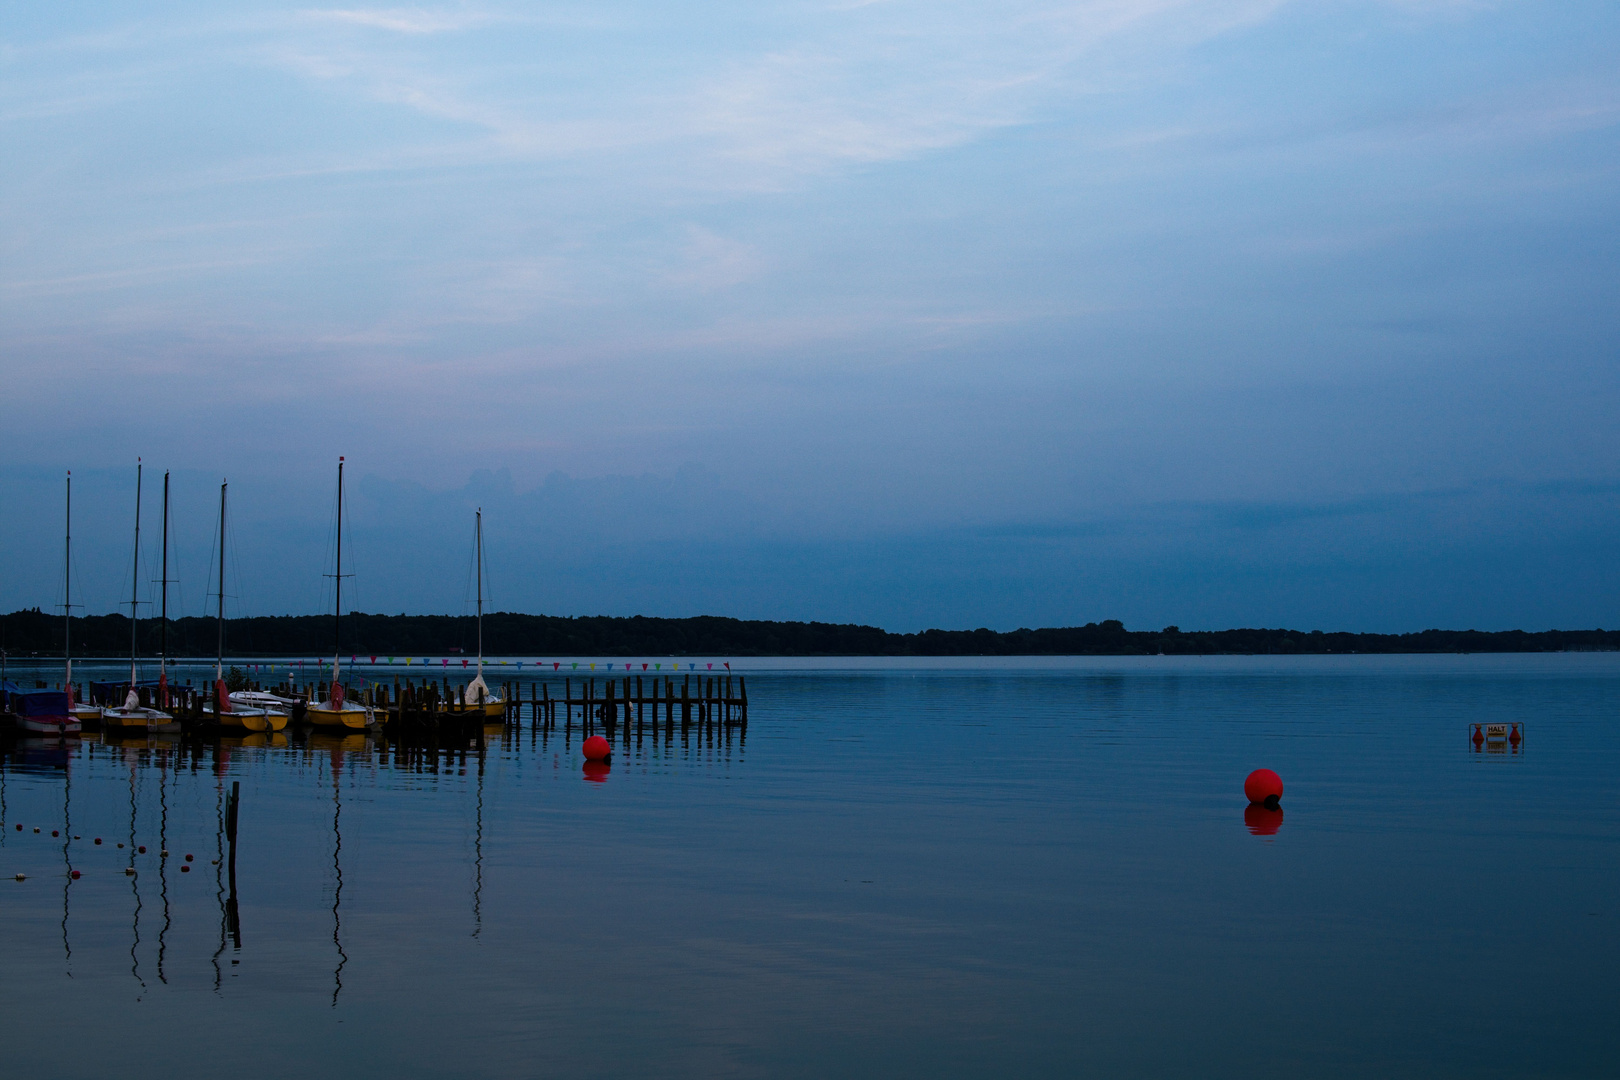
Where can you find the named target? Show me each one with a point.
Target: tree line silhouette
(33, 632)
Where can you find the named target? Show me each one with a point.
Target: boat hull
(491, 711)
(327, 717)
(134, 720)
(248, 719)
(49, 725)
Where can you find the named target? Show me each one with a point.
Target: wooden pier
(631, 701)
(427, 709)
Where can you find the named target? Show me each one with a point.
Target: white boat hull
(49, 725)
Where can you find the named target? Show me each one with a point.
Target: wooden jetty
(631, 700)
(416, 708)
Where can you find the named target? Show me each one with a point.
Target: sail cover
(40, 703)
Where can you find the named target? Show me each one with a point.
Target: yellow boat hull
(252, 722)
(353, 719)
(114, 723)
(492, 711)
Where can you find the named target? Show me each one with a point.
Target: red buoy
(141, 850)
(184, 869)
(596, 748)
(75, 873)
(1263, 786)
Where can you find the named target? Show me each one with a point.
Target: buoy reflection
(597, 771)
(1263, 820)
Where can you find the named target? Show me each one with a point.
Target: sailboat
(476, 697)
(163, 611)
(224, 709)
(87, 715)
(39, 712)
(335, 711)
(132, 715)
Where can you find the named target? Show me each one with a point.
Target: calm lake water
(961, 868)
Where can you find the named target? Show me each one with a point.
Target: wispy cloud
(403, 20)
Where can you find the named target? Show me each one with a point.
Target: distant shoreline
(33, 632)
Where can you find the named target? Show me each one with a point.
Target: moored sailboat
(223, 708)
(476, 696)
(336, 711)
(39, 712)
(132, 716)
(86, 714)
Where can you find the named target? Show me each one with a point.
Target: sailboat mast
(67, 589)
(337, 593)
(135, 582)
(219, 656)
(479, 544)
(163, 611)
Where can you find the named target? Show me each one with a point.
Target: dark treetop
(34, 632)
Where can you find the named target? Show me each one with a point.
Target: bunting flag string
(466, 662)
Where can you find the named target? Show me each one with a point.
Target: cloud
(711, 261)
(844, 86)
(402, 20)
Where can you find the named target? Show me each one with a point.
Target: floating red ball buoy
(75, 873)
(141, 850)
(98, 839)
(597, 748)
(188, 858)
(55, 833)
(185, 869)
(1263, 786)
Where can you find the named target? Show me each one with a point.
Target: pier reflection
(144, 798)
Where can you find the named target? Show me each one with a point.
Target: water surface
(962, 867)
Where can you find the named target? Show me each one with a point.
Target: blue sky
(1206, 312)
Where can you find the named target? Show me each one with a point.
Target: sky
(1012, 313)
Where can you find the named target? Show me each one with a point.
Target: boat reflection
(348, 742)
(337, 869)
